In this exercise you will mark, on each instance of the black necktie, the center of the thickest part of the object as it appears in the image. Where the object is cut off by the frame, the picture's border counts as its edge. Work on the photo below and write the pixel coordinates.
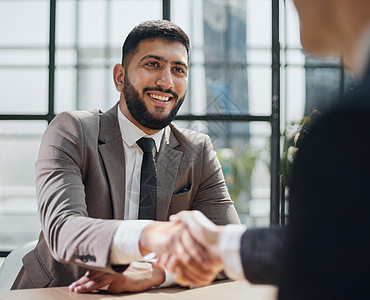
(148, 181)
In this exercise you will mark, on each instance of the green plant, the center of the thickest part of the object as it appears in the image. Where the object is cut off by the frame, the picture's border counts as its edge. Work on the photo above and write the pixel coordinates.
(238, 165)
(293, 135)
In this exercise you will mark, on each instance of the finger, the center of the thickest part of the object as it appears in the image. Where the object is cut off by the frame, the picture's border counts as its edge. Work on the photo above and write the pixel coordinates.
(177, 218)
(193, 224)
(171, 263)
(193, 250)
(163, 259)
(94, 284)
(197, 278)
(184, 274)
(193, 256)
(189, 275)
(89, 275)
(172, 267)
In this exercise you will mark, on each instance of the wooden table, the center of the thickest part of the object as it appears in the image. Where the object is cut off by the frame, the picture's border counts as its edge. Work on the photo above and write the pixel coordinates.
(222, 290)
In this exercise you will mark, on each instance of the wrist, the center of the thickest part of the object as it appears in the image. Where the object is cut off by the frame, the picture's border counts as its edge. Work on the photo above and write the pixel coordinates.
(214, 235)
(159, 274)
(215, 241)
(144, 241)
(146, 236)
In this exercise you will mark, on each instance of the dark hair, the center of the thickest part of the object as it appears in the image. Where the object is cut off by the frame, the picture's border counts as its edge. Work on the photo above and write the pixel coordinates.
(150, 30)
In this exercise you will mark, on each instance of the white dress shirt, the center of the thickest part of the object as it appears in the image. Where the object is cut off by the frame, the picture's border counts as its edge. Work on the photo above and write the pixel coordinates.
(125, 246)
(229, 246)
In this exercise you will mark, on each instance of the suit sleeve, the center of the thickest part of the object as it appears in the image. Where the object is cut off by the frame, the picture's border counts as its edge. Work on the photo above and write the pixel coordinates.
(71, 235)
(262, 251)
(212, 197)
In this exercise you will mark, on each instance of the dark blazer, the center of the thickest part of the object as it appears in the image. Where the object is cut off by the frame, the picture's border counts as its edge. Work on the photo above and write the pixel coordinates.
(262, 253)
(328, 237)
(80, 180)
(324, 253)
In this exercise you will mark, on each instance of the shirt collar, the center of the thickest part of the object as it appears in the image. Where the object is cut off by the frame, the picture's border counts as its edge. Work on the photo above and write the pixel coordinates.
(131, 133)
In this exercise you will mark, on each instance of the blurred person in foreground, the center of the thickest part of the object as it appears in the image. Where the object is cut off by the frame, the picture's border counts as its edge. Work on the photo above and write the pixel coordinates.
(98, 200)
(327, 242)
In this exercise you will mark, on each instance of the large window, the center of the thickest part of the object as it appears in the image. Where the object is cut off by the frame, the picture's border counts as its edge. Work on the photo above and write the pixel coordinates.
(231, 86)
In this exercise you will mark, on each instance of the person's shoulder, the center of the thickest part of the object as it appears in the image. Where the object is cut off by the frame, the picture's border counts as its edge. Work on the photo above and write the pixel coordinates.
(76, 118)
(78, 114)
(76, 123)
(188, 134)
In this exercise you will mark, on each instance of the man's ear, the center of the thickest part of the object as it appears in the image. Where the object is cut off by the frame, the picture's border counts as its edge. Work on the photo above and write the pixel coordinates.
(118, 76)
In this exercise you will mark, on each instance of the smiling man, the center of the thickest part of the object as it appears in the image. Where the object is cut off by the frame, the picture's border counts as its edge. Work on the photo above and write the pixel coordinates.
(98, 173)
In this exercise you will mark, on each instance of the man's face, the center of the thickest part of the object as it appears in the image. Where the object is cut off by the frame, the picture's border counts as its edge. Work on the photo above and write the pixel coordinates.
(317, 24)
(155, 82)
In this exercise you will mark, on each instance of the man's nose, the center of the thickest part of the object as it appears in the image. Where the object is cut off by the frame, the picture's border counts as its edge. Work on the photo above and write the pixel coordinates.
(165, 80)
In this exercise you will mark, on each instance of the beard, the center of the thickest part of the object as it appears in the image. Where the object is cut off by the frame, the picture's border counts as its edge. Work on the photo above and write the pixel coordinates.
(139, 111)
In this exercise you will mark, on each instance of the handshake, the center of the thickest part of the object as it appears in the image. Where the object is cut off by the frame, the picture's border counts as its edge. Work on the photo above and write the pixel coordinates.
(187, 246)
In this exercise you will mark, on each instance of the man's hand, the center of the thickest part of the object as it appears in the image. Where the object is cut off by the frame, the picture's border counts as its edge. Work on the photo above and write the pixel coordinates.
(184, 256)
(172, 238)
(190, 274)
(207, 234)
(204, 231)
(136, 278)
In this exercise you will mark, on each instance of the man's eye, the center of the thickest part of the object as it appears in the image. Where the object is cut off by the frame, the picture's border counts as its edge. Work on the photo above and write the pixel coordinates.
(152, 64)
(178, 69)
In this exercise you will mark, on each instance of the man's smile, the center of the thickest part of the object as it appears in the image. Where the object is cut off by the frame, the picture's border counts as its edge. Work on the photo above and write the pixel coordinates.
(161, 98)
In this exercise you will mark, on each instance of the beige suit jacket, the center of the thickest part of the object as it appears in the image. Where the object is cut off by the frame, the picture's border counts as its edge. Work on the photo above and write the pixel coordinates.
(80, 179)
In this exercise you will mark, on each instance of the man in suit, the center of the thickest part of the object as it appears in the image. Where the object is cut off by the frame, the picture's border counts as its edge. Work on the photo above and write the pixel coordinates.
(90, 163)
(326, 243)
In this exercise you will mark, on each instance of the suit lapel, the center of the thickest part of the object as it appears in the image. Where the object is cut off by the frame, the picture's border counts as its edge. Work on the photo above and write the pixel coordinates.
(112, 154)
(168, 162)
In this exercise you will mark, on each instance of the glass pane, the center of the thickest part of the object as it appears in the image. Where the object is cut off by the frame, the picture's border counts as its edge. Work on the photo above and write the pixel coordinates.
(186, 14)
(293, 57)
(24, 22)
(259, 57)
(66, 23)
(196, 100)
(23, 91)
(259, 23)
(115, 56)
(259, 206)
(92, 84)
(65, 57)
(259, 84)
(295, 94)
(243, 150)
(19, 145)
(92, 23)
(65, 89)
(292, 26)
(24, 57)
(125, 15)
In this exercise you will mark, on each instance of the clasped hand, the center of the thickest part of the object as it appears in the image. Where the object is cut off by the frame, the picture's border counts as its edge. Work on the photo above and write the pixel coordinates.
(187, 246)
